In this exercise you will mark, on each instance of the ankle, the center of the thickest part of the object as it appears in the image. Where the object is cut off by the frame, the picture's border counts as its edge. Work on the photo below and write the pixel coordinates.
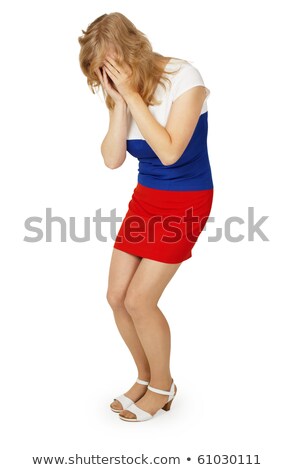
(143, 375)
(161, 383)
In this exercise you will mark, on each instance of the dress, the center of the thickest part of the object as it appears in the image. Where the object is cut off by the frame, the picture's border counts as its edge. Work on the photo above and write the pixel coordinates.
(170, 205)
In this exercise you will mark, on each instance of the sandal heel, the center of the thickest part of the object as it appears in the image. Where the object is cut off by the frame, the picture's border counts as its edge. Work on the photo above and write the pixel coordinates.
(167, 406)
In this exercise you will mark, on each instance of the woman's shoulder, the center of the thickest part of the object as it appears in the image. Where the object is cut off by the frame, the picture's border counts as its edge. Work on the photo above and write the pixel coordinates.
(181, 65)
(183, 68)
(186, 76)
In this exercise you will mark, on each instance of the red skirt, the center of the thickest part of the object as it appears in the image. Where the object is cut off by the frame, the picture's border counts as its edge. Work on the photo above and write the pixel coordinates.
(163, 225)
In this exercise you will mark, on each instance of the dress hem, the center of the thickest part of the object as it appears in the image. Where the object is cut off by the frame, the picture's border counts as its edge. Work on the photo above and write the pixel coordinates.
(149, 257)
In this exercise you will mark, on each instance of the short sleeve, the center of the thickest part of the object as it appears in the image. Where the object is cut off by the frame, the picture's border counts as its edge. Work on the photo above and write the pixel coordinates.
(187, 77)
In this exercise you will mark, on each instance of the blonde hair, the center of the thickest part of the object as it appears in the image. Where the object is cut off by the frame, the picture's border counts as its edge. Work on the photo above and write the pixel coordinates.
(131, 46)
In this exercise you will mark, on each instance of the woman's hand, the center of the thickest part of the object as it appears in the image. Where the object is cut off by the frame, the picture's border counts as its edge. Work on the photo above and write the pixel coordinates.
(115, 95)
(120, 75)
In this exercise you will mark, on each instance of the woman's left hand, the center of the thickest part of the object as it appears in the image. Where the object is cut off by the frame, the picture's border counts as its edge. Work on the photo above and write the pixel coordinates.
(120, 75)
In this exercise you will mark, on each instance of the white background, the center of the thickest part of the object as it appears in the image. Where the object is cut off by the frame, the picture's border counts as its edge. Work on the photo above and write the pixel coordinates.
(229, 306)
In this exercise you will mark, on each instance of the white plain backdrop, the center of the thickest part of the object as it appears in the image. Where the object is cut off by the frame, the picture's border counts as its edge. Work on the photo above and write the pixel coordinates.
(229, 306)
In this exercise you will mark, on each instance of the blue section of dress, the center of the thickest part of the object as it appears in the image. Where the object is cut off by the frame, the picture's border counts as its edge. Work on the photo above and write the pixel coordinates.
(191, 172)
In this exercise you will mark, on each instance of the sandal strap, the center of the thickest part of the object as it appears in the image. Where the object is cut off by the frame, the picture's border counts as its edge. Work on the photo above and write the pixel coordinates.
(124, 401)
(142, 382)
(171, 392)
(141, 415)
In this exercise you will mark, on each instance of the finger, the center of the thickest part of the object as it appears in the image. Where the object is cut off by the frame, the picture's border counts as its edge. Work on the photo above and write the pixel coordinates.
(109, 72)
(112, 65)
(124, 67)
(110, 59)
(106, 77)
(102, 81)
(98, 73)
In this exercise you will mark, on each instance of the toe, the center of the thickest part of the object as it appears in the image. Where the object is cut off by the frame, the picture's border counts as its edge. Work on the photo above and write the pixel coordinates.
(116, 405)
(127, 414)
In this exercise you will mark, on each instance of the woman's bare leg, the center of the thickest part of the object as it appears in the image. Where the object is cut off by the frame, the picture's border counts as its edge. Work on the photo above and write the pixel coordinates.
(122, 268)
(144, 291)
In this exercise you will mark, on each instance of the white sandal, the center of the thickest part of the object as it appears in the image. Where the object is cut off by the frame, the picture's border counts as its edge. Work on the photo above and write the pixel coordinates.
(142, 415)
(126, 401)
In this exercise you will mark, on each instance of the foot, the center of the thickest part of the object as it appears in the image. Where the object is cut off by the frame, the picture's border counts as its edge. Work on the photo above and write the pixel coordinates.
(135, 393)
(150, 402)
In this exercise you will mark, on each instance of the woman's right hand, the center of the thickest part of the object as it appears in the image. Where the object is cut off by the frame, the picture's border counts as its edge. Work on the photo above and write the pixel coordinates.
(115, 95)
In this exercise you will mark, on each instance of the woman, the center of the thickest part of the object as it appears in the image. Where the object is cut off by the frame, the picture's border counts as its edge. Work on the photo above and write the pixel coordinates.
(158, 113)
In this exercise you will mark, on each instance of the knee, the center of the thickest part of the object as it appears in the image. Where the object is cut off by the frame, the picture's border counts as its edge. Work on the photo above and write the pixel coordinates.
(115, 298)
(135, 303)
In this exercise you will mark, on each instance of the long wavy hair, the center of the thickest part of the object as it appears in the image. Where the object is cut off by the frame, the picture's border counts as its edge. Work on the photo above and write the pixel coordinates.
(130, 46)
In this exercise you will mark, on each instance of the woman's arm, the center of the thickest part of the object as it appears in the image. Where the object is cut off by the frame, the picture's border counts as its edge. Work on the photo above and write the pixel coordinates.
(168, 142)
(113, 147)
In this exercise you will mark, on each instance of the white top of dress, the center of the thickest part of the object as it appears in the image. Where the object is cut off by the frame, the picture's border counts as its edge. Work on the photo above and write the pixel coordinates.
(187, 77)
